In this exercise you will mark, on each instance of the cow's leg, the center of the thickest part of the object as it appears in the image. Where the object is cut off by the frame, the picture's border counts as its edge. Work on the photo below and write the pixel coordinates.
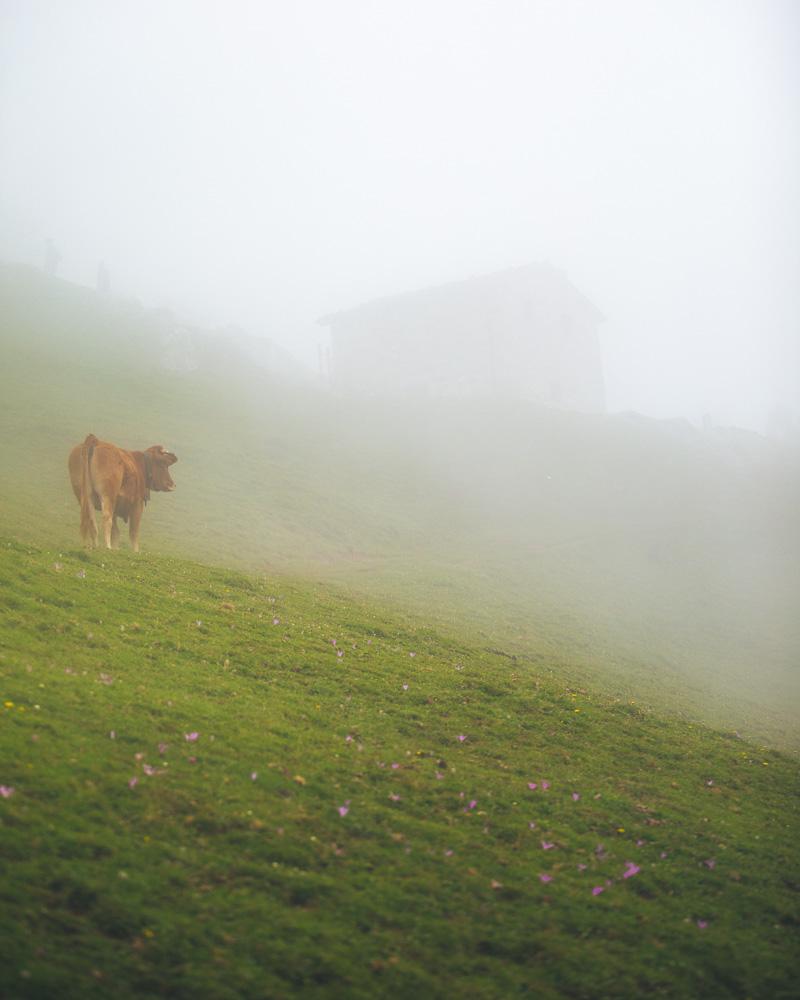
(88, 529)
(114, 533)
(135, 521)
(108, 519)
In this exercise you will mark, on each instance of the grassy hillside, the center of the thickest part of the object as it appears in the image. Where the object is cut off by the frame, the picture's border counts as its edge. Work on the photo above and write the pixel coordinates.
(656, 562)
(438, 740)
(216, 785)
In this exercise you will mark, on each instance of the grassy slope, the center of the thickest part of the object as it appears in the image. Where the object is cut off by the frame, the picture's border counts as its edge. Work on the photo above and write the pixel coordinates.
(654, 561)
(201, 881)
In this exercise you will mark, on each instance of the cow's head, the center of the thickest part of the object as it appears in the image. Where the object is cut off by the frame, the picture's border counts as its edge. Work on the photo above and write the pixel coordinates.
(158, 469)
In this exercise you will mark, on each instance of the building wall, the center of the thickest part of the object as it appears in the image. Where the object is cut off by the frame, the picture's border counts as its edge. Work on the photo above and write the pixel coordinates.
(514, 338)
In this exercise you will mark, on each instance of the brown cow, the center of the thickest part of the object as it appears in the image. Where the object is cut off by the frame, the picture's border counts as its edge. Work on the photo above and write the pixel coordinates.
(118, 483)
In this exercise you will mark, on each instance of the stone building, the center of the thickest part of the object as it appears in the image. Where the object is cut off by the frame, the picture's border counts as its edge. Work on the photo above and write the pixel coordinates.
(526, 332)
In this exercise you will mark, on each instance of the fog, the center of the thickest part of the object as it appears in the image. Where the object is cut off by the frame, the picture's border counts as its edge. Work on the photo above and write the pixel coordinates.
(266, 164)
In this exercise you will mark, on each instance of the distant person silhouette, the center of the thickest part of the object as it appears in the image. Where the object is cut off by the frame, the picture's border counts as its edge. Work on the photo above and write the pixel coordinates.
(52, 258)
(103, 279)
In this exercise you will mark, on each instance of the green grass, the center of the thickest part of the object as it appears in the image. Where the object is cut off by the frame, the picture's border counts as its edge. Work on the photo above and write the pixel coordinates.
(202, 882)
(593, 602)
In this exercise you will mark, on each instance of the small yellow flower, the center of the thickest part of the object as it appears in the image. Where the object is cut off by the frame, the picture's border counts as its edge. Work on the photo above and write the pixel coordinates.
(620, 829)
(148, 933)
(9, 704)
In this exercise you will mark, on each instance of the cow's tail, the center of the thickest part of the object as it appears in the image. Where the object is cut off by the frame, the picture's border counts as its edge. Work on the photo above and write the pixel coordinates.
(88, 526)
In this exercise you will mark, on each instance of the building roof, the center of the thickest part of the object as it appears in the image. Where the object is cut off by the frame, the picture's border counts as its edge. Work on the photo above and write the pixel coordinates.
(541, 279)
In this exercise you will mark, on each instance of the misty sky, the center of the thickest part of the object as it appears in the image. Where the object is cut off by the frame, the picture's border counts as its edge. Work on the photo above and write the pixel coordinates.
(266, 163)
